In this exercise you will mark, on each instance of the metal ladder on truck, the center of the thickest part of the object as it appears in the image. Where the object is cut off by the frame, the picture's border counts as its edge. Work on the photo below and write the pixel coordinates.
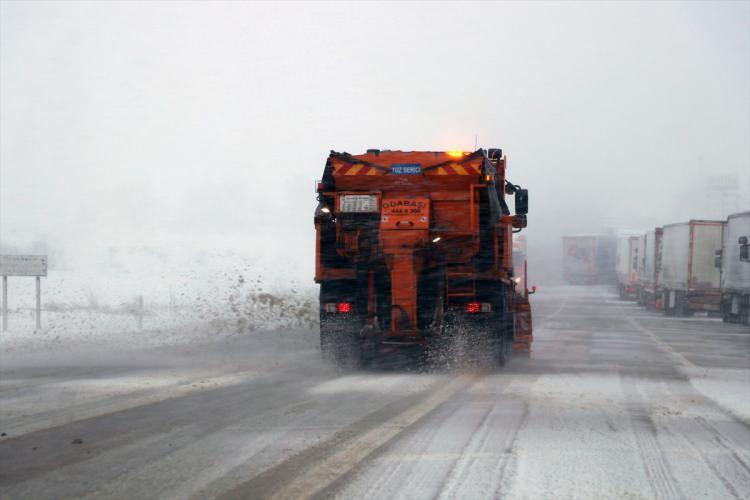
(459, 283)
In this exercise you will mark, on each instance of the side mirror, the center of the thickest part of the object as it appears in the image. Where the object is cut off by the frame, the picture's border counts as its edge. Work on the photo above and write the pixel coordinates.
(745, 253)
(533, 290)
(522, 201)
(519, 221)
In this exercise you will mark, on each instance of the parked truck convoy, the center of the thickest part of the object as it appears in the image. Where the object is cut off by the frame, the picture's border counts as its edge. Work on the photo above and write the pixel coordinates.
(682, 268)
(735, 269)
(415, 248)
(589, 259)
(689, 276)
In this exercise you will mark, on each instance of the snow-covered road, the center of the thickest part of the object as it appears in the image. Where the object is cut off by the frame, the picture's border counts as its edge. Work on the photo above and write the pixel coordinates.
(615, 402)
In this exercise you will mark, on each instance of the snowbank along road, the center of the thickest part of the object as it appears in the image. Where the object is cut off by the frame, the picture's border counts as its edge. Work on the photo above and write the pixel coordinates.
(614, 402)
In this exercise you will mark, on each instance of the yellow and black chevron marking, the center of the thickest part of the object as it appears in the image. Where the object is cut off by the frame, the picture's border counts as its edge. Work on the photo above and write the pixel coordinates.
(453, 168)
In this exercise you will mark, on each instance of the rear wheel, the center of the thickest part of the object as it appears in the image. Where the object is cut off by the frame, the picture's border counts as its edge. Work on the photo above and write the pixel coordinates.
(509, 334)
(501, 351)
(339, 331)
(682, 305)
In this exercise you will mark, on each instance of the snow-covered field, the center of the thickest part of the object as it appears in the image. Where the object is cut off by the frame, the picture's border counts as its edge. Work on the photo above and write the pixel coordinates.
(199, 297)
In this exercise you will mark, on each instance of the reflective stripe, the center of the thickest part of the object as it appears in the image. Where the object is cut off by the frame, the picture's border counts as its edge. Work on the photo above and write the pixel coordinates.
(459, 169)
(354, 169)
(453, 168)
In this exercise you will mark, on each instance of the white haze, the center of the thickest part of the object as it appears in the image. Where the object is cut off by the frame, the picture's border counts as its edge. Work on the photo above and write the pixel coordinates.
(201, 127)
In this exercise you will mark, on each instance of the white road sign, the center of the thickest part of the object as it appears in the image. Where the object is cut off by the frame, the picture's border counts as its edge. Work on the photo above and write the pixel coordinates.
(23, 265)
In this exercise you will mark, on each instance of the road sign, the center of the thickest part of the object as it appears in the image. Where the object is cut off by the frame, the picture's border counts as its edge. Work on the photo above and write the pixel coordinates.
(23, 265)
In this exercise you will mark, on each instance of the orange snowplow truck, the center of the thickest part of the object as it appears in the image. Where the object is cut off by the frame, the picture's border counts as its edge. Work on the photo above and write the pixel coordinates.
(413, 248)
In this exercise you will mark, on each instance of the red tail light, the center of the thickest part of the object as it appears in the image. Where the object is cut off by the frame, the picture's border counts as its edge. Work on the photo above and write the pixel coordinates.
(344, 307)
(478, 307)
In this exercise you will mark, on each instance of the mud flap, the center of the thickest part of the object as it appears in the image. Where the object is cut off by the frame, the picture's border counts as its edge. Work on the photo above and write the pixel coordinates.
(523, 327)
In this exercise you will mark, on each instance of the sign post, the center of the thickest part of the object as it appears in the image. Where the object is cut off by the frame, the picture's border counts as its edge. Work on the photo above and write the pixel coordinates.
(5, 303)
(23, 265)
(38, 303)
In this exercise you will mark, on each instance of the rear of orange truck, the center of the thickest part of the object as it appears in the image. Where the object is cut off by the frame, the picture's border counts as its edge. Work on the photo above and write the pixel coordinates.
(412, 247)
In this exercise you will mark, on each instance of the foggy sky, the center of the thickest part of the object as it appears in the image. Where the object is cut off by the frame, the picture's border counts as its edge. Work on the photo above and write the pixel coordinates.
(192, 125)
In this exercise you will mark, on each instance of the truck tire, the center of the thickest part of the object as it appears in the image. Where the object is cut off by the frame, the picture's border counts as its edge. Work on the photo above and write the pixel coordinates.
(503, 339)
(681, 305)
(501, 353)
(339, 340)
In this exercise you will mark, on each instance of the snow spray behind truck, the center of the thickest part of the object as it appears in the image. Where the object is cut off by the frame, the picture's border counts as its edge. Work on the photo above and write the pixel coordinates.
(412, 247)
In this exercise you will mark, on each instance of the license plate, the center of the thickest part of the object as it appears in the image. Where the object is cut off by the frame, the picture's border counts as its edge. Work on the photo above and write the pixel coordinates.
(358, 203)
(406, 168)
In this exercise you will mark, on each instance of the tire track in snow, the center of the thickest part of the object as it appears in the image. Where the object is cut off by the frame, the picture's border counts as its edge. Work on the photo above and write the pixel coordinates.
(723, 442)
(682, 362)
(417, 446)
(406, 459)
(315, 469)
(716, 469)
(250, 468)
(467, 464)
(705, 440)
(654, 462)
(459, 469)
(212, 408)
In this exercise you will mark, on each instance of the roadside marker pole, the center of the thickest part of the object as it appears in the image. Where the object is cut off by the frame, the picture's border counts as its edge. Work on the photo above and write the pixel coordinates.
(139, 311)
(38, 303)
(5, 303)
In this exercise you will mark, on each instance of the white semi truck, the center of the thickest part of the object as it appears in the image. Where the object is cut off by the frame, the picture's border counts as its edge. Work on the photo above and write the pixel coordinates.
(735, 269)
(689, 277)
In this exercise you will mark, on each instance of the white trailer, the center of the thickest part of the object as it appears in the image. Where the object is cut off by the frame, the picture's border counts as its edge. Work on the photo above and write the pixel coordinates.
(689, 275)
(589, 259)
(735, 269)
(626, 265)
(649, 290)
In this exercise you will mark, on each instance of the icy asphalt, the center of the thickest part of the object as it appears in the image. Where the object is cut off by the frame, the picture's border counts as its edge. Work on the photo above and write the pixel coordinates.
(615, 402)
